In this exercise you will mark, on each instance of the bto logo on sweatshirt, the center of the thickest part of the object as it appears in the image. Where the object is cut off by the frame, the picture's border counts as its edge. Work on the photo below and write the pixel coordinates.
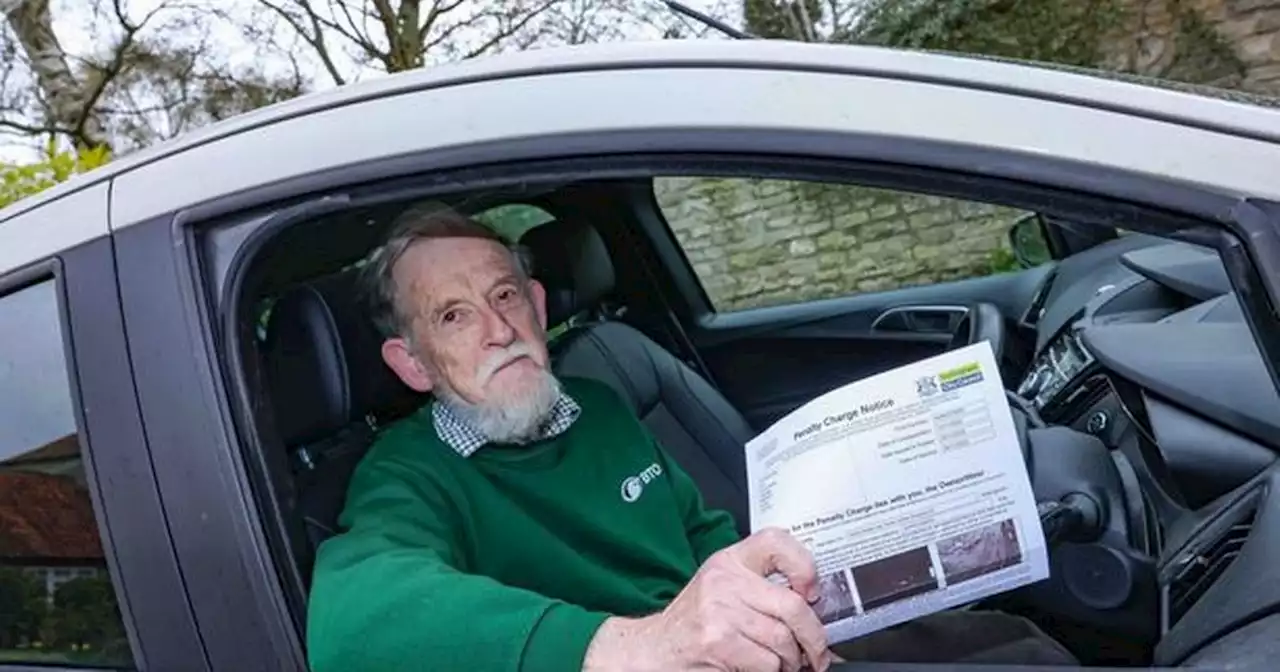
(633, 486)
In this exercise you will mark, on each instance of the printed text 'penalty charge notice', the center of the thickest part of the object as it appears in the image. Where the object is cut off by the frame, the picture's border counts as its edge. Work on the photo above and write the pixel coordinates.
(910, 489)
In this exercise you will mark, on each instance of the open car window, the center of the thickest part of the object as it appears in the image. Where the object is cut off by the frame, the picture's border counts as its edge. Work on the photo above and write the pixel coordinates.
(756, 243)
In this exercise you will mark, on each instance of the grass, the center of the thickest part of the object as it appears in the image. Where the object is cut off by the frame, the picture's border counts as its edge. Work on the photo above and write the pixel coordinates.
(57, 657)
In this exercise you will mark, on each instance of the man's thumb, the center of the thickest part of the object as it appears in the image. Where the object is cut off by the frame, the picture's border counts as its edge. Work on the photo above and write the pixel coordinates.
(772, 552)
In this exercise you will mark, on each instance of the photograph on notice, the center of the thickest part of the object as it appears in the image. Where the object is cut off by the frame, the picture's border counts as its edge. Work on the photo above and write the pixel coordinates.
(837, 598)
(894, 578)
(981, 551)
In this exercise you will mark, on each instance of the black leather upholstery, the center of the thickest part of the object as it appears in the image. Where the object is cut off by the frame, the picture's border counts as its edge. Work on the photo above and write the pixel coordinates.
(689, 418)
(703, 433)
(329, 390)
(324, 362)
(573, 265)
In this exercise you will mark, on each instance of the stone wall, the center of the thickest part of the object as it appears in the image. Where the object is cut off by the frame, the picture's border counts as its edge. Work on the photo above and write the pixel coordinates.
(766, 242)
(1230, 43)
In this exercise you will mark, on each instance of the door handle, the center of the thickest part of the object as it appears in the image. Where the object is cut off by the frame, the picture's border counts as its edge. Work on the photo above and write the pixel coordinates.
(920, 319)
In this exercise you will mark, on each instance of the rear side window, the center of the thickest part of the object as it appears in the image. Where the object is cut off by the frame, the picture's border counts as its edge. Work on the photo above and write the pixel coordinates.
(57, 604)
(511, 221)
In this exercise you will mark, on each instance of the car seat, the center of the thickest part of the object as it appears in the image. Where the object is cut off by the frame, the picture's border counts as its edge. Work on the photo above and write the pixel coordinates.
(690, 419)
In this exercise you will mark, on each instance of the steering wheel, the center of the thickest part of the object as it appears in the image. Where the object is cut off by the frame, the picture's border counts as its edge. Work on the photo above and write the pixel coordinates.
(982, 322)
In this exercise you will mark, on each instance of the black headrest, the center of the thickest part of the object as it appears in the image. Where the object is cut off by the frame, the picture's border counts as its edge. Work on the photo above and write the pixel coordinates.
(572, 262)
(324, 364)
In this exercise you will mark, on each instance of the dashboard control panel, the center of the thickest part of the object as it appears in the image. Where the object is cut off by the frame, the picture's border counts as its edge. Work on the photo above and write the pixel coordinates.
(1061, 362)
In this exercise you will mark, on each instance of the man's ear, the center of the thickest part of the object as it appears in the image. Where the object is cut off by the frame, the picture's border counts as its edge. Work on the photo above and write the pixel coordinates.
(539, 295)
(399, 356)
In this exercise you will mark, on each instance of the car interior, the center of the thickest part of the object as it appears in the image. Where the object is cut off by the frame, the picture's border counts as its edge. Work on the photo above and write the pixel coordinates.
(1097, 347)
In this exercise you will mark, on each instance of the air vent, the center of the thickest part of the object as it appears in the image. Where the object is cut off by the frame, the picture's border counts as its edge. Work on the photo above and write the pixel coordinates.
(1205, 563)
(1083, 398)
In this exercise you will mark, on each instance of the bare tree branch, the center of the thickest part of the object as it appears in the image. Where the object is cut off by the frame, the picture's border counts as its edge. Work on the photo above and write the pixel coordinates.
(32, 129)
(503, 34)
(108, 74)
(314, 37)
(358, 34)
(437, 10)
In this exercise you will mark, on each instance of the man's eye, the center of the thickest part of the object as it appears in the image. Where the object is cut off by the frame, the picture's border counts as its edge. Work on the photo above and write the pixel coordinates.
(505, 295)
(449, 317)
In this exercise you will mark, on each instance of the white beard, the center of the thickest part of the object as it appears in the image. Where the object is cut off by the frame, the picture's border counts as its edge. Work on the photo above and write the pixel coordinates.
(514, 417)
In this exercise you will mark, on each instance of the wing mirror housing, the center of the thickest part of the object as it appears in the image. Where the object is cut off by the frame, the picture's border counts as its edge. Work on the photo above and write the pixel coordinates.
(1029, 242)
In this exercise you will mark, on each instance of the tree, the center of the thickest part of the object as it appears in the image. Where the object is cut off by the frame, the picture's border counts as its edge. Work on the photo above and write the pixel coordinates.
(1090, 34)
(397, 37)
(22, 607)
(87, 613)
(147, 76)
(19, 181)
(348, 36)
(1066, 33)
(570, 22)
(807, 20)
(64, 99)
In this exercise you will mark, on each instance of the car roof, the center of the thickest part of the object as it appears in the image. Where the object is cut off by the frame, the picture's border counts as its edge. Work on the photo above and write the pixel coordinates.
(1231, 112)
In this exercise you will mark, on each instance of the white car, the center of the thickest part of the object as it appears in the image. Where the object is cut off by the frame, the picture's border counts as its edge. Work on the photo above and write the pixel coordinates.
(186, 378)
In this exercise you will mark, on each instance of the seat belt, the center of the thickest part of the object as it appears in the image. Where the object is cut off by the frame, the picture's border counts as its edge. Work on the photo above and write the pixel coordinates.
(691, 356)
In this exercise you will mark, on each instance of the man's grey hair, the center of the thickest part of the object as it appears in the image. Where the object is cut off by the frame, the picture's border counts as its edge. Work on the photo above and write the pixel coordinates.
(419, 222)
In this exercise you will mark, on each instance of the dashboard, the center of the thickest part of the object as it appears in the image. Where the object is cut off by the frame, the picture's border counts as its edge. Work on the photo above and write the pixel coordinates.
(1062, 361)
(1142, 344)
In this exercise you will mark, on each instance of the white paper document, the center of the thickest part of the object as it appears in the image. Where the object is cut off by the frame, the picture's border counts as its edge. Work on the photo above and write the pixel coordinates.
(909, 488)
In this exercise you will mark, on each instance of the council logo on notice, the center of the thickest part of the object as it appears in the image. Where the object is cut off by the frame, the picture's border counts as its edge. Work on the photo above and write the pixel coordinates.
(926, 386)
(966, 374)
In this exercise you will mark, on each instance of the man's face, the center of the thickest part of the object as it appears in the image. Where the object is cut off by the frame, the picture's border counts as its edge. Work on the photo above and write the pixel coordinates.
(478, 327)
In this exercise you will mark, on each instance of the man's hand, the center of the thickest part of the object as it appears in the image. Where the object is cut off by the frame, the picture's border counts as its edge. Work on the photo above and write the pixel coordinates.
(729, 617)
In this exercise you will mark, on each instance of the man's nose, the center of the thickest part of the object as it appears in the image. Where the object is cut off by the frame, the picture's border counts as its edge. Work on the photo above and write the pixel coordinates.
(497, 330)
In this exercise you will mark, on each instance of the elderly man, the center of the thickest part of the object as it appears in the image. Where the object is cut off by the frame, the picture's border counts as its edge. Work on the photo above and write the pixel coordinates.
(485, 532)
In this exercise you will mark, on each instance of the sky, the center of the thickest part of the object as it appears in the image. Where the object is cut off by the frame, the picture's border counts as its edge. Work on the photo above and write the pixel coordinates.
(35, 401)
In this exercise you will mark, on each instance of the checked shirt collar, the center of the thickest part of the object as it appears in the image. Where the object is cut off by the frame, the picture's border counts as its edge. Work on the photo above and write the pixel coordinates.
(465, 439)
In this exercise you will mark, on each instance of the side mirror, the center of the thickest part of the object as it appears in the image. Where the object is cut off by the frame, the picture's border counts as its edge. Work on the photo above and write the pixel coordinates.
(1028, 241)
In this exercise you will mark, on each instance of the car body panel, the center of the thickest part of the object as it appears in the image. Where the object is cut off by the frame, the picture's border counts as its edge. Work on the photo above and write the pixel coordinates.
(149, 584)
(639, 100)
(59, 224)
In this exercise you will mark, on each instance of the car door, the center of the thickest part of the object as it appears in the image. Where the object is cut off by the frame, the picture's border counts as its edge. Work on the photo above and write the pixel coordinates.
(87, 573)
(811, 285)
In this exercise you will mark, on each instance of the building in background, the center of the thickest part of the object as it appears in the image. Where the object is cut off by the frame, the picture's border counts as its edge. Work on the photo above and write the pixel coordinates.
(47, 527)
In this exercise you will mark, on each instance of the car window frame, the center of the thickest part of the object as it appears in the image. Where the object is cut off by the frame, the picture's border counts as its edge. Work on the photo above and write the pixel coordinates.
(863, 154)
(112, 448)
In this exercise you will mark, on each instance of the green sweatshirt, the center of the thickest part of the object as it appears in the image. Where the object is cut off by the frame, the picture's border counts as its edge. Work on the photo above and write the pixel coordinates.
(509, 559)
